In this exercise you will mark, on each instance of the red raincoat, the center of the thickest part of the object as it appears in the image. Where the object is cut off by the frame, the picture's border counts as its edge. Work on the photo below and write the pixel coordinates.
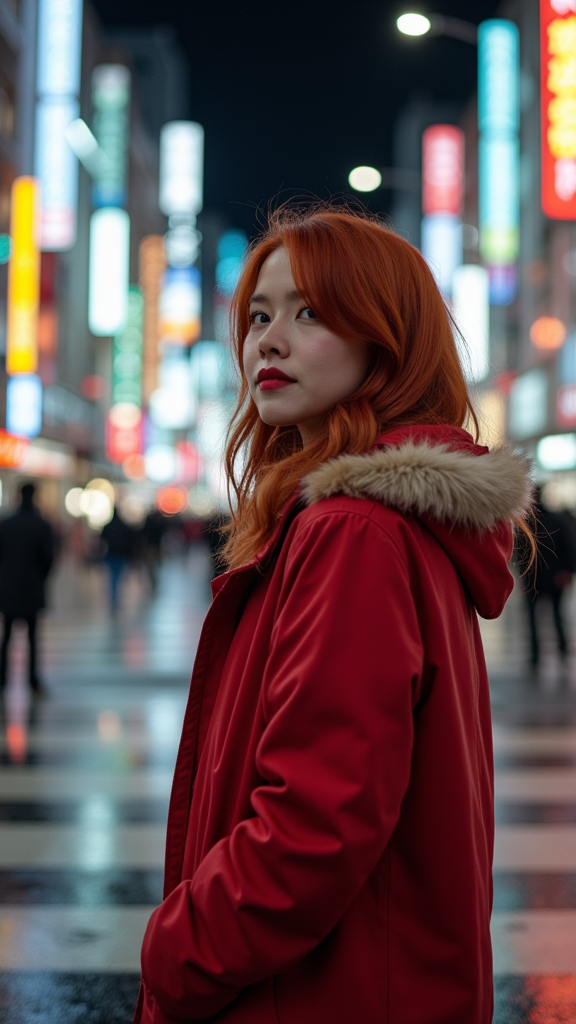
(330, 830)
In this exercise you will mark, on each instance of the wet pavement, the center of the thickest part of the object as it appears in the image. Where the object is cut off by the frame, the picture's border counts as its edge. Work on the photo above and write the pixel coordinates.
(84, 789)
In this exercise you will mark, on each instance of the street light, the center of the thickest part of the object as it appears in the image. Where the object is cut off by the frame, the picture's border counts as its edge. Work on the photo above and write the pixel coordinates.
(365, 179)
(412, 24)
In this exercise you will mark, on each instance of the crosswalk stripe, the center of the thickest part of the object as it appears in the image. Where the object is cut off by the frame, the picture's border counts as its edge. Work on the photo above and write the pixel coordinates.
(534, 942)
(50, 784)
(96, 847)
(72, 939)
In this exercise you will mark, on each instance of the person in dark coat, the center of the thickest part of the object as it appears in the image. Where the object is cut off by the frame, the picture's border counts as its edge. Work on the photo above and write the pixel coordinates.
(26, 556)
(118, 539)
(152, 534)
(549, 576)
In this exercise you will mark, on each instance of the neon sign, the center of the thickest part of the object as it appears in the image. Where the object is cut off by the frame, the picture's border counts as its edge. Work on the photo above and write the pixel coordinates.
(499, 153)
(442, 169)
(558, 107)
(23, 279)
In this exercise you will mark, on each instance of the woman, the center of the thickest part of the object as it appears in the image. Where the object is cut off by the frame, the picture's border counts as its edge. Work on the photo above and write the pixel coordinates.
(330, 830)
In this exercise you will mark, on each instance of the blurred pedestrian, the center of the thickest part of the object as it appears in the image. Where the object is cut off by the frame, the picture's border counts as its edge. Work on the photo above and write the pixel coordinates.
(547, 581)
(26, 557)
(151, 535)
(118, 542)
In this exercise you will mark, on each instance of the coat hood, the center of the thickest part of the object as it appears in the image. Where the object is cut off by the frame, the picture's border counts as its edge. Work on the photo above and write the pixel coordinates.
(466, 495)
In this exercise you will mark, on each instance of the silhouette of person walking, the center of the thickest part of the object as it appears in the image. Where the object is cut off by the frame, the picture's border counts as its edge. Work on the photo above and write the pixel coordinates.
(550, 575)
(118, 541)
(26, 556)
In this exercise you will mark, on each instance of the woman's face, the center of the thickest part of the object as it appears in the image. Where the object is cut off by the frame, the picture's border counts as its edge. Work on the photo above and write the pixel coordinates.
(297, 369)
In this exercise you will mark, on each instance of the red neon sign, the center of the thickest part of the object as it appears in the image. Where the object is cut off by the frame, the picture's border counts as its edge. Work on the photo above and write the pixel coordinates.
(121, 442)
(442, 169)
(558, 107)
(12, 449)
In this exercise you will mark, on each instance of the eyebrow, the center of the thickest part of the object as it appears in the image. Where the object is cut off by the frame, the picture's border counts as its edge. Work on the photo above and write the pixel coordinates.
(264, 298)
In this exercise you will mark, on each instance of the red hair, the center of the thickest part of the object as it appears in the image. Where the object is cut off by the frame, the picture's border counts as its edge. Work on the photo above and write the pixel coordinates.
(366, 284)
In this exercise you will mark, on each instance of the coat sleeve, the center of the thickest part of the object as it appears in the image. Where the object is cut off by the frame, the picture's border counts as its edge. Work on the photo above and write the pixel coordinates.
(341, 681)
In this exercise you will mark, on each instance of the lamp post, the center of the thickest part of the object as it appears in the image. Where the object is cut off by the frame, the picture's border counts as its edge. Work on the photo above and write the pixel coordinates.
(412, 24)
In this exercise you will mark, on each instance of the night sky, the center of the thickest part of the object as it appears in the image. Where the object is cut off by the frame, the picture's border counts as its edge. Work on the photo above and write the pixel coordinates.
(293, 95)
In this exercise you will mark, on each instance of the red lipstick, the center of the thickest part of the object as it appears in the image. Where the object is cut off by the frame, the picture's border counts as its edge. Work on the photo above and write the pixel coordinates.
(271, 378)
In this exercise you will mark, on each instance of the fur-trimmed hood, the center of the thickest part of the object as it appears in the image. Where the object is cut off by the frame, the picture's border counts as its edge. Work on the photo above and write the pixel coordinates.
(464, 493)
(446, 481)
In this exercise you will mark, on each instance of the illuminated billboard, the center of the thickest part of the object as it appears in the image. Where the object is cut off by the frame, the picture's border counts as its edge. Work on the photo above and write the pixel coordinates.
(442, 169)
(57, 169)
(152, 267)
(442, 247)
(528, 413)
(181, 168)
(232, 246)
(58, 84)
(180, 305)
(111, 98)
(127, 355)
(23, 278)
(24, 405)
(59, 44)
(471, 311)
(499, 153)
(558, 108)
(109, 270)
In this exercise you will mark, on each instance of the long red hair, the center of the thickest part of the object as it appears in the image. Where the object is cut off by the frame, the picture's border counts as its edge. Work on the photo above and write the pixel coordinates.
(366, 284)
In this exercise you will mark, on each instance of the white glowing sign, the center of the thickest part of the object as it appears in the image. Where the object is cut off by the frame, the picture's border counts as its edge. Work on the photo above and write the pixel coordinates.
(471, 310)
(181, 305)
(529, 404)
(58, 83)
(556, 452)
(24, 405)
(59, 43)
(442, 247)
(109, 270)
(181, 168)
(57, 169)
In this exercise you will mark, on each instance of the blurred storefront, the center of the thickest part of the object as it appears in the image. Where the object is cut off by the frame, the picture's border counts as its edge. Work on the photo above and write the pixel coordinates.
(102, 276)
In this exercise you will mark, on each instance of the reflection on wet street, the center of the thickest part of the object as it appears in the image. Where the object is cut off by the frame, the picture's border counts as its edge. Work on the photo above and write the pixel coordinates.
(85, 778)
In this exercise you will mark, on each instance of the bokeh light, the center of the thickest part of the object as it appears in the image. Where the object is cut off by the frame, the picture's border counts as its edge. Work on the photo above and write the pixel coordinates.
(547, 332)
(134, 467)
(365, 179)
(172, 500)
(72, 502)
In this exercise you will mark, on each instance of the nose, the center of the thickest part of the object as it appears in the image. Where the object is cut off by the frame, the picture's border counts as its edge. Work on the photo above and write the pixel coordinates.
(273, 341)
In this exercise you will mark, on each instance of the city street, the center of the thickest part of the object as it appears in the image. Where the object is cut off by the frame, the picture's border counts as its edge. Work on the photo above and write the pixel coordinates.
(84, 788)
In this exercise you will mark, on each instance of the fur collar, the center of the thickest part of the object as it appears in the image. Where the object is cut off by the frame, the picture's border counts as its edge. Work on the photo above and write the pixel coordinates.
(474, 491)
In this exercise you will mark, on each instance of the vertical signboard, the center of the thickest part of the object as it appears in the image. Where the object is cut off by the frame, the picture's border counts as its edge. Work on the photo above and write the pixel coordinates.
(127, 355)
(180, 305)
(23, 279)
(471, 312)
(152, 267)
(109, 270)
(442, 187)
(181, 168)
(442, 169)
(111, 98)
(58, 84)
(499, 154)
(558, 107)
(124, 424)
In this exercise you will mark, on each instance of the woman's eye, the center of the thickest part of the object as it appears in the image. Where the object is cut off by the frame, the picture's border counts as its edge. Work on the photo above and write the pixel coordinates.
(307, 314)
(259, 318)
